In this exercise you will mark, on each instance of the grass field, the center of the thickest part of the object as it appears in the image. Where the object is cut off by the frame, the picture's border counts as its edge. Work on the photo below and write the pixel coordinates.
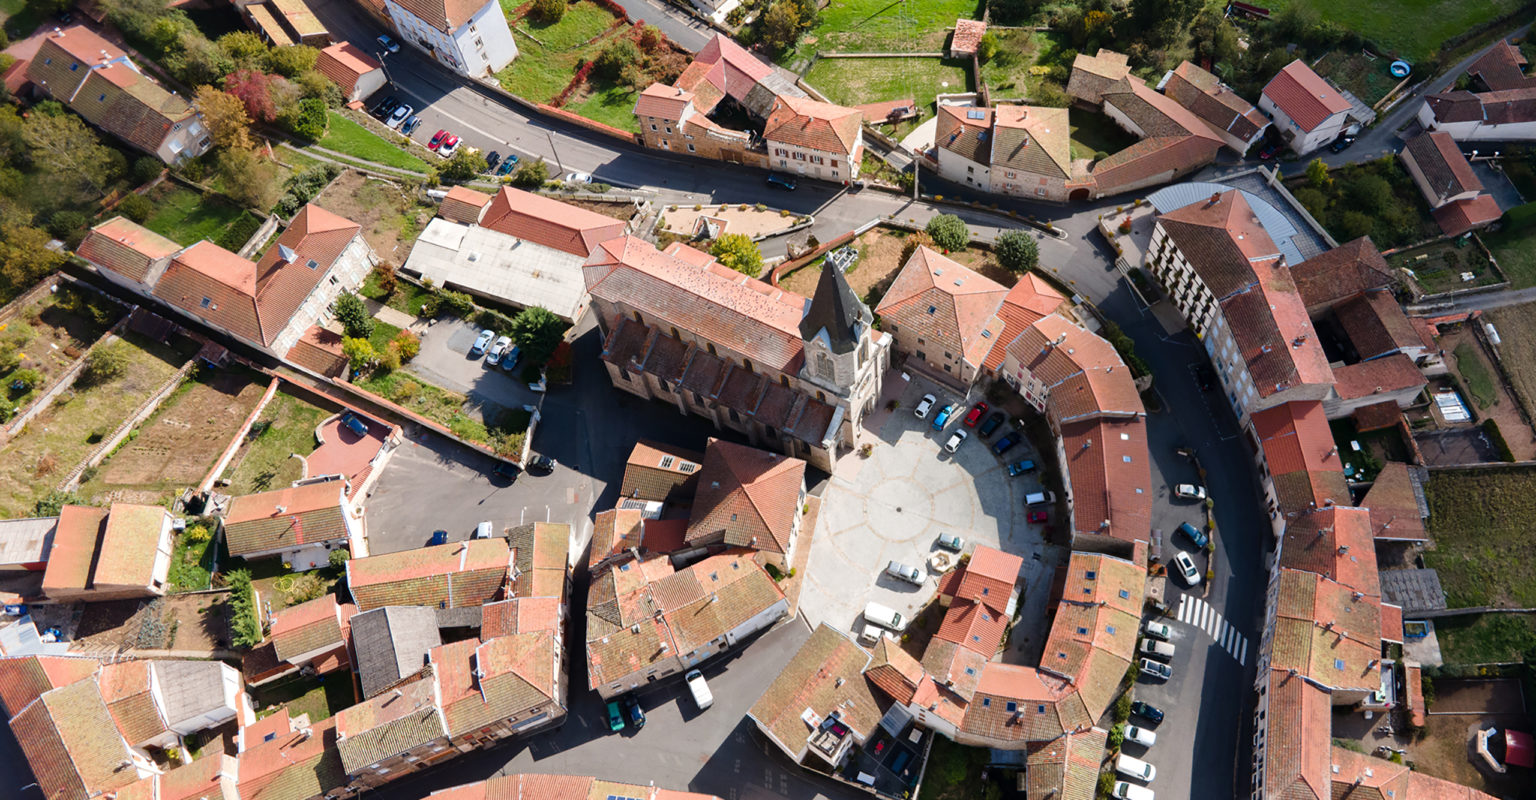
(1480, 522)
(302, 696)
(350, 138)
(1093, 132)
(1415, 29)
(545, 66)
(33, 463)
(287, 426)
(852, 81)
(1478, 379)
(1516, 253)
(608, 103)
(865, 26)
(1517, 349)
(1009, 73)
(1487, 638)
(186, 217)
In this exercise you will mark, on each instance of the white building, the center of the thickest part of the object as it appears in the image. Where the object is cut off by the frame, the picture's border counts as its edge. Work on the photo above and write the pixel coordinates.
(821, 140)
(1502, 116)
(466, 36)
(1307, 111)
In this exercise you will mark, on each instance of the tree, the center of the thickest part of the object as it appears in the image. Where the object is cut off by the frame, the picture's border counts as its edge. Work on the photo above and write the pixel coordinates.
(988, 47)
(55, 500)
(306, 119)
(353, 315)
(359, 352)
(1017, 251)
(650, 38)
(615, 57)
(1353, 224)
(548, 11)
(75, 161)
(949, 232)
(105, 363)
(293, 60)
(1317, 174)
(1010, 12)
(913, 241)
(136, 207)
(67, 223)
(780, 26)
(146, 169)
(316, 86)
(409, 344)
(466, 163)
(1369, 194)
(739, 252)
(338, 559)
(199, 61)
(252, 179)
(228, 121)
(537, 332)
(25, 256)
(255, 90)
(384, 276)
(245, 49)
(531, 174)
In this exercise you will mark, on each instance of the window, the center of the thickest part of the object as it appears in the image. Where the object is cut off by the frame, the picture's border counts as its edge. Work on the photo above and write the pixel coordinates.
(639, 318)
(834, 173)
(921, 355)
(784, 381)
(1010, 173)
(986, 702)
(75, 66)
(669, 129)
(665, 145)
(690, 147)
(1091, 575)
(101, 98)
(1039, 192)
(971, 170)
(1081, 631)
(1011, 706)
(674, 333)
(207, 303)
(1125, 595)
(710, 346)
(746, 364)
(1040, 709)
(823, 366)
(833, 164)
(653, 126)
(480, 43)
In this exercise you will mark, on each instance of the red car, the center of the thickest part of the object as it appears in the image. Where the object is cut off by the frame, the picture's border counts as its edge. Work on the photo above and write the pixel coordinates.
(437, 139)
(975, 416)
(1039, 517)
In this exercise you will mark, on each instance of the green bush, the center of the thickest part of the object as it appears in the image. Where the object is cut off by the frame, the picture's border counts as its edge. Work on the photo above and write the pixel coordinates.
(548, 11)
(53, 501)
(136, 207)
(531, 174)
(615, 57)
(338, 558)
(307, 120)
(244, 623)
(949, 232)
(538, 332)
(105, 363)
(1017, 251)
(353, 316)
(240, 231)
(491, 319)
(1520, 217)
(23, 380)
(1123, 707)
(458, 304)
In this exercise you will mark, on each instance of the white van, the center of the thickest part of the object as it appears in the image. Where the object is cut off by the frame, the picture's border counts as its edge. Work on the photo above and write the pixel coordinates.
(1135, 768)
(701, 696)
(1039, 498)
(1153, 647)
(885, 617)
(1130, 791)
(484, 530)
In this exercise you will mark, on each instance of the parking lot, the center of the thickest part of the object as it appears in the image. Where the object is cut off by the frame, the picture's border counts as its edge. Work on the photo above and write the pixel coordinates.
(894, 504)
(445, 361)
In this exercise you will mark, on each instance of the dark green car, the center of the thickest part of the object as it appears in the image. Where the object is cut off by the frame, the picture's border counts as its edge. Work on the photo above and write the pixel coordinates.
(615, 716)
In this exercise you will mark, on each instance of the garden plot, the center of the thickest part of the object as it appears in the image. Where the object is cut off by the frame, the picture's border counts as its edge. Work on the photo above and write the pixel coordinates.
(265, 459)
(389, 216)
(44, 338)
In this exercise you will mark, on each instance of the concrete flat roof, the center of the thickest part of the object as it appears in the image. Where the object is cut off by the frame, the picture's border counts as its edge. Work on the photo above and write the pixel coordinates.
(498, 266)
(26, 541)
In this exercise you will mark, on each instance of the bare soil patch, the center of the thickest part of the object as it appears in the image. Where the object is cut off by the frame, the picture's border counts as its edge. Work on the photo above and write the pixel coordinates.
(202, 621)
(389, 215)
(1489, 696)
(738, 219)
(880, 260)
(1447, 751)
(616, 209)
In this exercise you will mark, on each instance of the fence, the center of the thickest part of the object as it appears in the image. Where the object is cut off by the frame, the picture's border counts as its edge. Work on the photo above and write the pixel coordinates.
(72, 481)
(14, 307)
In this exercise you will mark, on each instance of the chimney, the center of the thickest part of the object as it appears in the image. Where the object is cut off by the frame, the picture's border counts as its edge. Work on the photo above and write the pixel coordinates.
(1299, 340)
(1343, 548)
(279, 510)
(1215, 198)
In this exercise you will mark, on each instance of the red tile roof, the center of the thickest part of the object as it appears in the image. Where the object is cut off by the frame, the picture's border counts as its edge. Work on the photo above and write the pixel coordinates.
(444, 15)
(227, 282)
(125, 688)
(344, 63)
(1341, 273)
(1296, 758)
(25, 678)
(125, 247)
(746, 497)
(1501, 67)
(824, 676)
(1377, 376)
(72, 744)
(286, 518)
(814, 125)
(319, 351)
(968, 33)
(314, 240)
(307, 627)
(1394, 503)
(988, 577)
(1334, 542)
(129, 544)
(1295, 437)
(1304, 96)
(663, 102)
(733, 70)
(464, 205)
(974, 626)
(1214, 102)
(1461, 216)
(1221, 238)
(458, 573)
(1110, 477)
(549, 222)
(1025, 304)
(947, 303)
(1442, 164)
(75, 542)
(1376, 325)
(1082, 375)
(295, 765)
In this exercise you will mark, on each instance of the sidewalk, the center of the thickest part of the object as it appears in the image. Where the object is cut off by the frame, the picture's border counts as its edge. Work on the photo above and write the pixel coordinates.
(394, 317)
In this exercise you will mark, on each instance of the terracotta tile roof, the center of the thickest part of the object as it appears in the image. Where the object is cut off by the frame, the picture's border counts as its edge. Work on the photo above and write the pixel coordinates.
(549, 222)
(1341, 273)
(1274, 334)
(1499, 108)
(540, 552)
(307, 627)
(444, 15)
(51, 68)
(1017, 704)
(464, 205)
(344, 63)
(614, 532)
(734, 70)
(746, 497)
(753, 318)
(203, 779)
(663, 102)
(952, 306)
(1214, 102)
(72, 744)
(294, 766)
(25, 678)
(1068, 767)
(521, 615)
(1304, 96)
(388, 725)
(814, 125)
(1376, 416)
(660, 472)
(974, 626)
(731, 589)
(1148, 158)
(968, 33)
(1296, 758)
(987, 577)
(284, 518)
(459, 574)
(1221, 238)
(129, 543)
(123, 101)
(1457, 105)
(823, 677)
(1157, 115)
(297, 262)
(1440, 160)
(1034, 139)
(1501, 67)
(125, 247)
(959, 133)
(1391, 623)
(1082, 375)
(75, 542)
(125, 688)
(516, 674)
(1394, 500)
(1295, 438)
(1377, 376)
(1376, 325)
(1334, 542)
(1110, 477)
(227, 282)
(894, 670)
(882, 111)
(664, 535)
(1091, 75)
(1413, 677)
(958, 668)
(319, 351)
(1461, 216)
(1030, 300)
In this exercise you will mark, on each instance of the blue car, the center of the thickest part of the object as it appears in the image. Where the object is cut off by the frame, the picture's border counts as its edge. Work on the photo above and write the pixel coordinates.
(1002, 445)
(507, 165)
(1195, 535)
(509, 361)
(782, 181)
(1018, 468)
(438, 537)
(354, 424)
(943, 417)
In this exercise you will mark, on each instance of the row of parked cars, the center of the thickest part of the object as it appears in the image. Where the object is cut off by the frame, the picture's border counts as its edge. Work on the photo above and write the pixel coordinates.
(1154, 646)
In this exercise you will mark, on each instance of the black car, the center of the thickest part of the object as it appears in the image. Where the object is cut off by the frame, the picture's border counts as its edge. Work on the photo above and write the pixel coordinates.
(542, 465)
(633, 711)
(1206, 377)
(1342, 143)
(782, 181)
(990, 424)
(1006, 443)
(1147, 711)
(492, 160)
(508, 470)
(384, 109)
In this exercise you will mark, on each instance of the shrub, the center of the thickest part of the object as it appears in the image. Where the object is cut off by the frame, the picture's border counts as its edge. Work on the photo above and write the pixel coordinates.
(146, 169)
(359, 352)
(739, 252)
(409, 345)
(339, 558)
(405, 391)
(24, 380)
(531, 174)
(136, 207)
(491, 319)
(353, 315)
(384, 275)
(1017, 251)
(611, 62)
(1123, 707)
(245, 625)
(431, 304)
(914, 241)
(105, 363)
(948, 232)
(67, 225)
(389, 357)
(305, 587)
(987, 49)
(458, 304)
(548, 11)
(465, 165)
(306, 119)
(650, 38)
(197, 534)
(1116, 736)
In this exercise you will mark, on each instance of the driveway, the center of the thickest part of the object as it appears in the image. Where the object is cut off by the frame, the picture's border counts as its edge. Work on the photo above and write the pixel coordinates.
(445, 361)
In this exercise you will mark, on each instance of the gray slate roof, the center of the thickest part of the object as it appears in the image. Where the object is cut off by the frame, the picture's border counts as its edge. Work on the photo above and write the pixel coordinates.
(189, 688)
(392, 643)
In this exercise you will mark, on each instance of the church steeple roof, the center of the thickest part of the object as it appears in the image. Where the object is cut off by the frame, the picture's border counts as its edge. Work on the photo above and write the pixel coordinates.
(836, 310)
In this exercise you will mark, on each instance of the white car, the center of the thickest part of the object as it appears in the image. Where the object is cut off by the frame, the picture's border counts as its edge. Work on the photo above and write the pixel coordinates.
(1153, 647)
(1133, 767)
(702, 697)
(452, 146)
(925, 405)
(1186, 567)
(499, 349)
(955, 440)
(1156, 669)
(481, 342)
(1130, 791)
(1189, 491)
(1140, 735)
(913, 575)
(1158, 630)
(401, 114)
(578, 177)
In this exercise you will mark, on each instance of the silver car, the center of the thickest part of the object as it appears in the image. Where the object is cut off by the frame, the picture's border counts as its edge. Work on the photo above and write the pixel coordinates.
(925, 405)
(913, 575)
(499, 349)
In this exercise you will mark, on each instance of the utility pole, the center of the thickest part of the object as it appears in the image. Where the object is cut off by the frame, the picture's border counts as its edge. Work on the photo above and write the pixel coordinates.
(552, 149)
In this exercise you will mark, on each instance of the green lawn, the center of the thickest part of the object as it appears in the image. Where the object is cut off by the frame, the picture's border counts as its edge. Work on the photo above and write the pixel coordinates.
(852, 81)
(1415, 29)
(22, 17)
(186, 217)
(864, 26)
(1516, 253)
(302, 696)
(545, 66)
(1475, 373)
(192, 562)
(612, 104)
(1487, 638)
(1093, 132)
(1481, 522)
(287, 426)
(346, 136)
(1008, 73)
(407, 296)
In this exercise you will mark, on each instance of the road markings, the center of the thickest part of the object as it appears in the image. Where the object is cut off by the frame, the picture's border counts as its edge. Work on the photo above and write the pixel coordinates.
(1199, 614)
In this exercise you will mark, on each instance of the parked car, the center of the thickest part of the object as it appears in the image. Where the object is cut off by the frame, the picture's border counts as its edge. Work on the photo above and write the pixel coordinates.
(994, 421)
(943, 417)
(1006, 443)
(1186, 568)
(1039, 498)
(924, 405)
(1140, 735)
(578, 177)
(399, 115)
(615, 716)
(1017, 468)
(508, 470)
(507, 165)
(384, 108)
(1189, 491)
(885, 617)
(633, 711)
(410, 126)
(1155, 669)
(437, 139)
(542, 464)
(484, 530)
(956, 439)
(1269, 151)
(870, 633)
(449, 146)
(481, 342)
(1153, 647)
(509, 361)
(910, 574)
(492, 160)
(1342, 143)
(1039, 517)
(700, 689)
(1147, 711)
(438, 537)
(1158, 630)
(975, 416)
(389, 45)
(1205, 377)
(781, 181)
(354, 424)
(493, 355)
(950, 541)
(1195, 535)
(1130, 791)
(1134, 767)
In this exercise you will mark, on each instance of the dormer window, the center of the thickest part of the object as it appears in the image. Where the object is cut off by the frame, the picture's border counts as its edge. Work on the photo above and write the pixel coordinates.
(313, 264)
(101, 98)
(206, 302)
(75, 66)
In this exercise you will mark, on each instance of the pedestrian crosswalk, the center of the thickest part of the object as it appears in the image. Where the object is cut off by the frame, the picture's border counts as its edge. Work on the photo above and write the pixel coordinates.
(1197, 612)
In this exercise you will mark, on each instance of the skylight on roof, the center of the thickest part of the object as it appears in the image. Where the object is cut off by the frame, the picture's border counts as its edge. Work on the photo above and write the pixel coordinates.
(1338, 663)
(975, 113)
